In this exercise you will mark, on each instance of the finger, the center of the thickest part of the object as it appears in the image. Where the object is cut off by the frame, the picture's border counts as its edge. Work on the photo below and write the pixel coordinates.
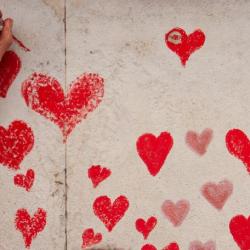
(7, 26)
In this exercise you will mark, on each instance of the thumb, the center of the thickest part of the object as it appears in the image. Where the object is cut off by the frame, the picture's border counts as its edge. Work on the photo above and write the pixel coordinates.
(7, 26)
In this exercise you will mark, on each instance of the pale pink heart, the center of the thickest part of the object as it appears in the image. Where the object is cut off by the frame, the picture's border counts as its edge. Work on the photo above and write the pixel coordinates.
(199, 143)
(176, 213)
(197, 245)
(217, 194)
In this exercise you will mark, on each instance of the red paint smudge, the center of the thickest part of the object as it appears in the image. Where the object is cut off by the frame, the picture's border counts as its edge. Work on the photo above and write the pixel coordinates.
(26, 181)
(145, 227)
(199, 143)
(21, 45)
(239, 145)
(154, 150)
(240, 229)
(182, 44)
(30, 226)
(45, 95)
(110, 214)
(15, 143)
(217, 194)
(89, 238)
(197, 245)
(172, 246)
(10, 66)
(148, 247)
(176, 213)
(97, 174)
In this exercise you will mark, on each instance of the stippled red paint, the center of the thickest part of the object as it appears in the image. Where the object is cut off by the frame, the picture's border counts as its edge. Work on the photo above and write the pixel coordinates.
(239, 145)
(184, 45)
(45, 95)
(145, 227)
(176, 212)
(154, 150)
(10, 66)
(199, 143)
(25, 180)
(30, 226)
(197, 245)
(240, 229)
(110, 214)
(217, 194)
(89, 238)
(97, 174)
(15, 143)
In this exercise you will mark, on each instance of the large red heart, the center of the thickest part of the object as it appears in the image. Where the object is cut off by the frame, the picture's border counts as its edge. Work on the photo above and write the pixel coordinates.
(30, 226)
(110, 214)
(239, 145)
(15, 143)
(98, 174)
(26, 181)
(45, 95)
(217, 194)
(182, 44)
(240, 229)
(154, 150)
(176, 213)
(145, 227)
(199, 143)
(197, 245)
(10, 65)
(89, 238)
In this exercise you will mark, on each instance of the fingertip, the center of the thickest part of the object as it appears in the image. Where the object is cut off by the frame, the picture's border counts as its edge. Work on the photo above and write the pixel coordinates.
(8, 23)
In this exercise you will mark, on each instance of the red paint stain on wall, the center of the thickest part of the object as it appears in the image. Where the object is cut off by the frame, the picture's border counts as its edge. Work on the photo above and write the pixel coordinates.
(89, 238)
(26, 181)
(97, 174)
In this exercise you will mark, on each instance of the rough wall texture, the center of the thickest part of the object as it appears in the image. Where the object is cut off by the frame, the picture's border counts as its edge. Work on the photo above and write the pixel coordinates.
(146, 90)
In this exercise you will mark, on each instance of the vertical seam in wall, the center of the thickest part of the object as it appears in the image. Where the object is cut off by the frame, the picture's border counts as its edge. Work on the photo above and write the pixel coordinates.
(65, 159)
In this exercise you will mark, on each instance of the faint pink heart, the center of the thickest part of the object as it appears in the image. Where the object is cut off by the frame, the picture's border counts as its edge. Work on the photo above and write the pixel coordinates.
(199, 143)
(217, 194)
(197, 245)
(176, 213)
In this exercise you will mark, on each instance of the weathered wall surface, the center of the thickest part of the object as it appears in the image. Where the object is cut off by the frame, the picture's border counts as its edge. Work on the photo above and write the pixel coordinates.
(146, 90)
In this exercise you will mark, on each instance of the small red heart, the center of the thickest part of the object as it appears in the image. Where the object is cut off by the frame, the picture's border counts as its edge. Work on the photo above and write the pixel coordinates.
(217, 194)
(98, 174)
(30, 227)
(10, 66)
(154, 150)
(90, 239)
(176, 213)
(239, 145)
(182, 44)
(110, 214)
(199, 143)
(240, 230)
(172, 246)
(148, 247)
(15, 143)
(197, 245)
(26, 181)
(45, 95)
(145, 227)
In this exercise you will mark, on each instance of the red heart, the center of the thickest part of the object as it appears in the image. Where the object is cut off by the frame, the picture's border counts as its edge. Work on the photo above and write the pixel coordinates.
(25, 181)
(240, 230)
(154, 150)
(145, 227)
(97, 174)
(30, 227)
(239, 145)
(199, 143)
(148, 247)
(197, 245)
(176, 213)
(182, 44)
(172, 246)
(109, 213)
(15, 143)
(90, 239)
(217, 194)
(45, 95)
(10, 66)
